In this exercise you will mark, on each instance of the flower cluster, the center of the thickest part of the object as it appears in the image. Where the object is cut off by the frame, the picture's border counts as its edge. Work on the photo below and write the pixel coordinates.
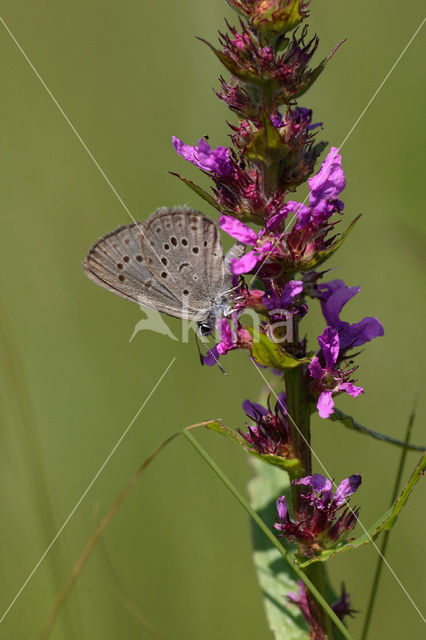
(232, 336)
(273, 149)
(271, 433)
(322, 518)
(326, 369)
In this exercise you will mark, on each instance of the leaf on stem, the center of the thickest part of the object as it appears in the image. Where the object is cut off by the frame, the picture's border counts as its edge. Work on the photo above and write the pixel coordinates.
(198, 190)
(270, 354)
(350, 423)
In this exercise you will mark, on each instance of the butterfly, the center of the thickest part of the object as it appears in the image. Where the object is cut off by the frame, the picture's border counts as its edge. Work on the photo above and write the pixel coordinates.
(172, 262)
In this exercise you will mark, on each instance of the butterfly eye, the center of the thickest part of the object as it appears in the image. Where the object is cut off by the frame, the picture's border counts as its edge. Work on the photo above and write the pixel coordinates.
(205, 328)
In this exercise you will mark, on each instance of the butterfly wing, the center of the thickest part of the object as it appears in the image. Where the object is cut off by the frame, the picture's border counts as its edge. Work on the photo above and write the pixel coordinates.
(116, 263)
(183, 248)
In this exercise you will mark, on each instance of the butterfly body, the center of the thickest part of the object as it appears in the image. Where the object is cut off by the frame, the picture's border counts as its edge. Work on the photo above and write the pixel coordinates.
(172, 262)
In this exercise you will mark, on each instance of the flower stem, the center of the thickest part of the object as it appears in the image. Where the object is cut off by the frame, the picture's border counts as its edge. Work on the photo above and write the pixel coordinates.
(299, 416)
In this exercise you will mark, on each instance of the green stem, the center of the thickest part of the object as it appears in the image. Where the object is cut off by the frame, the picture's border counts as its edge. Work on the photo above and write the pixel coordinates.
(383, 548)
(271, 537)
(299, 417)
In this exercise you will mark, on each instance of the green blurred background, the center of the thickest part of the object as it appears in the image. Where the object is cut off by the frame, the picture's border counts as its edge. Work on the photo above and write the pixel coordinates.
(130, 75)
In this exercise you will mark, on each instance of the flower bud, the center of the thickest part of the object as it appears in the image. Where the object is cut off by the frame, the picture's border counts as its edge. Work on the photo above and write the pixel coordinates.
(273, 16)
(279, 16)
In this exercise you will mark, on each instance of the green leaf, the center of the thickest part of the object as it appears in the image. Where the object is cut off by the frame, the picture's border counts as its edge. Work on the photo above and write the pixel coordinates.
(219, 427)
(275, 577)
(198, 190)
(322, 256)
(266, 145)
(350, 423)
(386, 522)
(270, 354)
(291, 465)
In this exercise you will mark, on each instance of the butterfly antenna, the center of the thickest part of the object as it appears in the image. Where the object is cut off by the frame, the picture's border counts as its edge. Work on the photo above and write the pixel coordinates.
(200, 335)
(199, 350)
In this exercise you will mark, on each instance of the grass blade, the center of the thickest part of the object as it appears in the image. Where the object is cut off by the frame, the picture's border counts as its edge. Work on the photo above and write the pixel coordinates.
(19, 397)
(84, 556)
(383, 548)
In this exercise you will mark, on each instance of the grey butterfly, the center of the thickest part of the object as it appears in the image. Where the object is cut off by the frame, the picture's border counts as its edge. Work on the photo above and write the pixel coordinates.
(172, 262)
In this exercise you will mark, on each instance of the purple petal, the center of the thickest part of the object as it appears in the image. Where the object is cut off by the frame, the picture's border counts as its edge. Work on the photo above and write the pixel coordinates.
(271, 300)
(315, 368)
(334, 295)
(282, 508)
(325, 404)
(238, 230)
(275, 221)
(318, 483)
(226, 343)
(215, 160)
(337, 299)
(253, 410)
(244, 264)
(351, 389)
(211, 358)
(326, 289)
(346, 488)
(330, 345)
(355, 335)
(277, 119)
(291, 290)
(303, 213)
(328, 182)
(282, 401)
(203, 156)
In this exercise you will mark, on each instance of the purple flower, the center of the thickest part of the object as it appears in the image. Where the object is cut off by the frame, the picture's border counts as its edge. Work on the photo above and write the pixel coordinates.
(333, 297)
(301, 212)
(271, 432)
(215, 161)
(274, 302)
(342, 606)
(322, 519)
(277, 120)
(300, 119)
(327, 184)
(324, 187)
(236, 337)
(329, 378)
(246, 235)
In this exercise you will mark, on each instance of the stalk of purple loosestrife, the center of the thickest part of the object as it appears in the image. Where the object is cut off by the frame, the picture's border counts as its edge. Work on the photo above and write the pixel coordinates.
(275, 148)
